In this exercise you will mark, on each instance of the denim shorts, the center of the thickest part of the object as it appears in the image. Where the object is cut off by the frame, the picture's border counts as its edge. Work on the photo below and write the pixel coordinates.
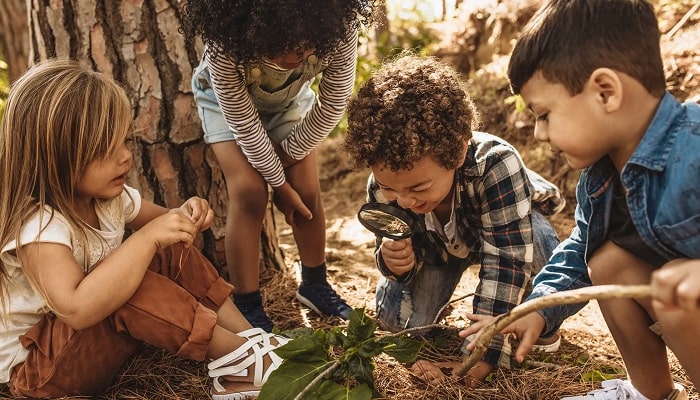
(278, 124)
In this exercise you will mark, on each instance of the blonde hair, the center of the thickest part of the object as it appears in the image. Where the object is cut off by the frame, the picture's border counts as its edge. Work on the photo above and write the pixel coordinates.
(59, 117)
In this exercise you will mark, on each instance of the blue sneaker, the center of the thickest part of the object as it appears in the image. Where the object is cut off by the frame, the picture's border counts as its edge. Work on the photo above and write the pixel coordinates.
(255, 314)
(321, 298)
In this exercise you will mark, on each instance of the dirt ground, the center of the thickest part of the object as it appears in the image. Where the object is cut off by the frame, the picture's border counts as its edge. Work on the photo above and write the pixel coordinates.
(588, 351)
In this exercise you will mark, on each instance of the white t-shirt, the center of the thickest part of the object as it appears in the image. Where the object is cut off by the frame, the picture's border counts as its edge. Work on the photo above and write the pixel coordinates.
(25, 306)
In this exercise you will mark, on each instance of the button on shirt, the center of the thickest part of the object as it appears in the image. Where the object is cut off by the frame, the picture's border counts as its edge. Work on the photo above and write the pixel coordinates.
(454, 243)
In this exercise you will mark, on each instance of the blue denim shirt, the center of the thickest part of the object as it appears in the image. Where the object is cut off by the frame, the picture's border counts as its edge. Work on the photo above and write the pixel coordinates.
(663, 195)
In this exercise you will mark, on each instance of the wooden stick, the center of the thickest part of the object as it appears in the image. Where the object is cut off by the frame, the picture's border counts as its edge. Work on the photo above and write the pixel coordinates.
(602, 292)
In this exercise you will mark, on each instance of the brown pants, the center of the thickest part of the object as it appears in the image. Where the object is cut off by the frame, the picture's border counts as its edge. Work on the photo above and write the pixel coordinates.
(173, 309)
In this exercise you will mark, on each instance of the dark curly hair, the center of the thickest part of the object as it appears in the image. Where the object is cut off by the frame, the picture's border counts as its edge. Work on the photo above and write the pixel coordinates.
(411, 107)
(247, 30)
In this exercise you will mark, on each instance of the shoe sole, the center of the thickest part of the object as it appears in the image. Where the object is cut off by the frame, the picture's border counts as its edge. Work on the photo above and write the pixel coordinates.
(547, 348)
(303, 300)
(251, 394)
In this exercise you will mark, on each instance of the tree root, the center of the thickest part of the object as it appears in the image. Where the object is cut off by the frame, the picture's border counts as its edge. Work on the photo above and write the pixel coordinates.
(602, 292)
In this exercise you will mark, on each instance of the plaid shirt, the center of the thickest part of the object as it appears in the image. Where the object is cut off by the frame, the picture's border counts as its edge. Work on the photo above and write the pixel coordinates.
(492, 212)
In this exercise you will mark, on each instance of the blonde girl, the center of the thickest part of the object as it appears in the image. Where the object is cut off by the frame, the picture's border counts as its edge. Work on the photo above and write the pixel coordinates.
(77, 299)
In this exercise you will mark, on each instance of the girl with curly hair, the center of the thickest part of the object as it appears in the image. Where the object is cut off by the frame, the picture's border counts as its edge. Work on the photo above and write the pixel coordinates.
(263, 122)
(77, 299)
(413, 125)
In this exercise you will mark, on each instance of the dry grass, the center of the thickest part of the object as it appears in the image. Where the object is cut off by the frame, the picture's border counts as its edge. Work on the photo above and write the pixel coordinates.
(586, 348)
(156, 375)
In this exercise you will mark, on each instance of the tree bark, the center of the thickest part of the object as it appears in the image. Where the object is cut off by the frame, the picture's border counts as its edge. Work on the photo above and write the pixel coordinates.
(14, 27)
(137, 42)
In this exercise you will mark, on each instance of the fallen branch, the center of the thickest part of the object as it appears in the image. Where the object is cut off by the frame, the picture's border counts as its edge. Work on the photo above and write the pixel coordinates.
(682, 21)
(601, 292)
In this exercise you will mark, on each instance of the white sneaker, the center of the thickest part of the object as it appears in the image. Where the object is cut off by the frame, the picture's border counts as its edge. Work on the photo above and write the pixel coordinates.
(616, 389)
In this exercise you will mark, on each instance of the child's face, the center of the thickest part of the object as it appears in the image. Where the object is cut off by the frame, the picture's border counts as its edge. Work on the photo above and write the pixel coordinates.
(291, 60)
(572, 125)
(420, 189)
(104, 179)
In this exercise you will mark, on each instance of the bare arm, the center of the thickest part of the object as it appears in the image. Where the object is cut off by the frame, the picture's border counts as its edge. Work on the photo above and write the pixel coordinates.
(81, 300)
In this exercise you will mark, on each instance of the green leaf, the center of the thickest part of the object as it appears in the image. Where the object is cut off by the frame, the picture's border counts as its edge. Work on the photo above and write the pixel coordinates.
(294, 333)
(290, 379)
(597, 376)
(370, 348)
(333, 391)
(361, 368)
(402, 349)
(360, 327)
(303, 349)
(336, 337)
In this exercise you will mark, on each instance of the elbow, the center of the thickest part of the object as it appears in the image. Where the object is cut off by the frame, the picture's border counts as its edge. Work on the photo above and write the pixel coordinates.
(78, 319)
(79, 322)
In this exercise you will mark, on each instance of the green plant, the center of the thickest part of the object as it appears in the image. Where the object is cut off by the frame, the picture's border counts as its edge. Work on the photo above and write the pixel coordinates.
(308, 371)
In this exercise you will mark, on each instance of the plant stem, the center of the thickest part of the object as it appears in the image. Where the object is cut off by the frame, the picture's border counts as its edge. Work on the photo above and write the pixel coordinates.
(581, 295)
(317, 379)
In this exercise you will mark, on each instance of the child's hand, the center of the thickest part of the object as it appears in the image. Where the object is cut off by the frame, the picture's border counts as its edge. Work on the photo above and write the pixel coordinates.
(289, 203)
(436, 372)
(286, 159)
(398, 255)
(677, 285)
(199, 212)
(170, 228)
(527, 329)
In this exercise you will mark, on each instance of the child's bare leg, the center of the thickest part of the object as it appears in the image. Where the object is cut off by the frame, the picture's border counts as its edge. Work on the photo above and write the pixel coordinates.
(223, 342)
(310, 235)
(230, 318)
(681, 330)
(643, 352)
(247, 201)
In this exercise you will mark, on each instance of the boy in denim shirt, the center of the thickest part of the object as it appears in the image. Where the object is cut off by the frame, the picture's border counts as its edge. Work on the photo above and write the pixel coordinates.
(591, 72)
(412, 124)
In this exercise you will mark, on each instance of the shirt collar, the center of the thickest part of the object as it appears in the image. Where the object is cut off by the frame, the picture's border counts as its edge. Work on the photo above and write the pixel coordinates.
(654, 149)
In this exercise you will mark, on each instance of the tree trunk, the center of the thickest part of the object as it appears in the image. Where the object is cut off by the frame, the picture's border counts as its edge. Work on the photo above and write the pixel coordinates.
(13, 36)
(137, 42)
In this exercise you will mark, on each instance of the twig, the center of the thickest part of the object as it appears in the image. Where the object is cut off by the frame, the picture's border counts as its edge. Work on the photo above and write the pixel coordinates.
(317, 379)
(567, 297)
(542, 364)
(682, 21)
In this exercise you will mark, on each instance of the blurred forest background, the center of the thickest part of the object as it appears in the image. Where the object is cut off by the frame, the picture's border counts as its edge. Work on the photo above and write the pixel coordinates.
(137, 42)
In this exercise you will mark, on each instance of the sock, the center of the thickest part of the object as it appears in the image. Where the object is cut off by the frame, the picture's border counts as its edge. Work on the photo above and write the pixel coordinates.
(311, 275)
(247, 300)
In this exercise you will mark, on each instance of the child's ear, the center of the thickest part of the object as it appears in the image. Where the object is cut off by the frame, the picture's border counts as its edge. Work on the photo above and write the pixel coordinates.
(606, 85)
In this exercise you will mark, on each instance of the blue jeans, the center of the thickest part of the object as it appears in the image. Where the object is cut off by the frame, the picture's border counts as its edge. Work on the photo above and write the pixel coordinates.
(402, 306)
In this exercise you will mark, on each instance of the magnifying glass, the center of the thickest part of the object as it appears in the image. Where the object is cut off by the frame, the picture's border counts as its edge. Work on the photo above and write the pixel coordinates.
(387, 220)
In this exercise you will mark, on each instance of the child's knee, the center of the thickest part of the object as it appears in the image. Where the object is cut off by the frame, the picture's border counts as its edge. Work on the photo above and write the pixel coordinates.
(611, 264)
(249, 197)
(678, 322)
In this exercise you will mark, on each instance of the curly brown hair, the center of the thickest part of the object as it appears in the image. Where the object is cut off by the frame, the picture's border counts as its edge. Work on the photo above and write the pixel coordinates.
(411, 107)
(246, 30)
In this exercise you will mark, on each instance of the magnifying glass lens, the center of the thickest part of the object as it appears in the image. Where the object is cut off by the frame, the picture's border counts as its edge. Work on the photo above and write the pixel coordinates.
(386, 220)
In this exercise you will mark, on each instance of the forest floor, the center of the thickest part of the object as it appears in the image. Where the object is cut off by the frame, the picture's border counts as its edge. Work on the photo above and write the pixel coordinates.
(588, 353)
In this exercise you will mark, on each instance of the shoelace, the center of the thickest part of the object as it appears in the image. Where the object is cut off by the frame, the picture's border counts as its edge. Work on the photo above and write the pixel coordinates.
(328, 294)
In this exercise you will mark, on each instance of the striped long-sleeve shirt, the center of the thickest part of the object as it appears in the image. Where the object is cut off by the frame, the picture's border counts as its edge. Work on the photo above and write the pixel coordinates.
(334, 90)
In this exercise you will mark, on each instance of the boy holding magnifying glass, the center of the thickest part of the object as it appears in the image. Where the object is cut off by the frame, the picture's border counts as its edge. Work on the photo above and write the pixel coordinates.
(412, 123)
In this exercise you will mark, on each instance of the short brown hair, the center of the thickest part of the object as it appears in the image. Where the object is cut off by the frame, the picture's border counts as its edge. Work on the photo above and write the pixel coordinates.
(411, 107)
(569, 39)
